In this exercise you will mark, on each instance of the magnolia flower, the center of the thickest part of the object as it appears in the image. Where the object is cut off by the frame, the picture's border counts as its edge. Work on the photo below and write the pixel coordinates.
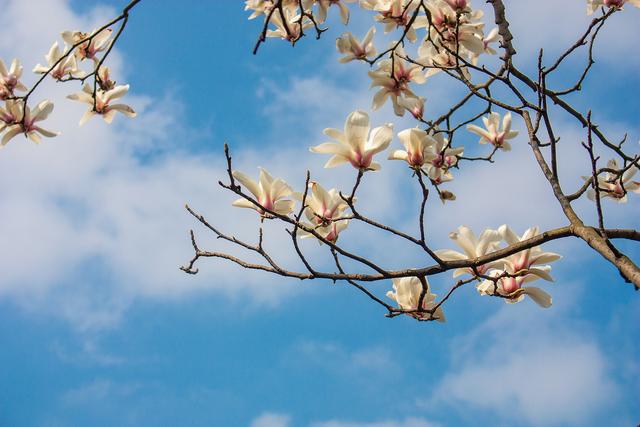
(104, 78)
(349, 46)
(395, 83)
(473, 247)
(492, 134)
(417, 144)
(67, 67)
(492, 37)
(10, 79)
(102, 102)
(329, 232)
(406, 293)
(28, 125)
(489, 287)
(270, 193)
(10, 114)
(324, 206)
(323, 7)
(519, 269)
(292, 31)
(258, 7)
(397, 14)
(459, 5)
(613, 185)
(441, 159)
(353, 145)
(89, 49)
(593, 5)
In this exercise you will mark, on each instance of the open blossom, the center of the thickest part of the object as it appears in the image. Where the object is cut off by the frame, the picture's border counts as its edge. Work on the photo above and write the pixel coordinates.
(28, 126)
(615, 186)
(473, 247)
(493, 133)
(397, 14)
(324, 5)
(324, 206)
(90, 48)
(593, 5)
(519, 269)
(68, 67)
(103, 104)
(417, 144)
(406, 293)
(272, 194)
(394, 83)
(10, 79)
(355, 145)
(442, 158)
(349, 46)
(289, 28)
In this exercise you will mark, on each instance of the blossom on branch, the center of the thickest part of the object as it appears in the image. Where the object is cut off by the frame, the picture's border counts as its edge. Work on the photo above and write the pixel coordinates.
(615, 185)
(10, 79)
(417, 144)
(290, 28)
(67, 67)
(271, 194)
(394, 76)
(593, 5)
(356, 145)
(473, 247)
(407, 292)
(349, 46)
(397, 14)
(98, 42)
(519, 269)
(25, 121)
(100, 104)
(494, 134)
(442, 158)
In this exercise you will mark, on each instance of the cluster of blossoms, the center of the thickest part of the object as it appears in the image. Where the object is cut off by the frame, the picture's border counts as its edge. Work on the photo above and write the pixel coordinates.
(62, 64)
(505, 277)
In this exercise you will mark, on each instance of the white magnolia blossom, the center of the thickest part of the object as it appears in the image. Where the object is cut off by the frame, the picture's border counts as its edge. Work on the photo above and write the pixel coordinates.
(355, 145)
(442, 159)
(103, 106)
(292, 30)
(89, 49)
(519, 269)
(493, 133)
(323, 211)
(10, 79)
(593, 5)
(406, 293)
(397, 14)
(27, 124)
(67, 67)
(473, 247)
(352, 48)
(395, 84)
(417, 148)
(615, 186)
(454, 31)
(272, 194)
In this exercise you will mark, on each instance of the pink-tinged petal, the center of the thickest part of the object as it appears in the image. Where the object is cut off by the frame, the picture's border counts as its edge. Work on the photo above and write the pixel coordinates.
(335, 134)
(331, 148)
(380, 139)
(284, 207)
(379, 99)
(109, 116)
(398, 155)
(42, 111)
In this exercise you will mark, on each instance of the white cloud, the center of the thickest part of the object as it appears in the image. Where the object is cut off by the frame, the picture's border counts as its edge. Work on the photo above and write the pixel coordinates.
(524, 365)
(271, 420)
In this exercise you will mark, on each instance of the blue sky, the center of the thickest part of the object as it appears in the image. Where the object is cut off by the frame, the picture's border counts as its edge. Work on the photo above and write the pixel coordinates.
(99, 327)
